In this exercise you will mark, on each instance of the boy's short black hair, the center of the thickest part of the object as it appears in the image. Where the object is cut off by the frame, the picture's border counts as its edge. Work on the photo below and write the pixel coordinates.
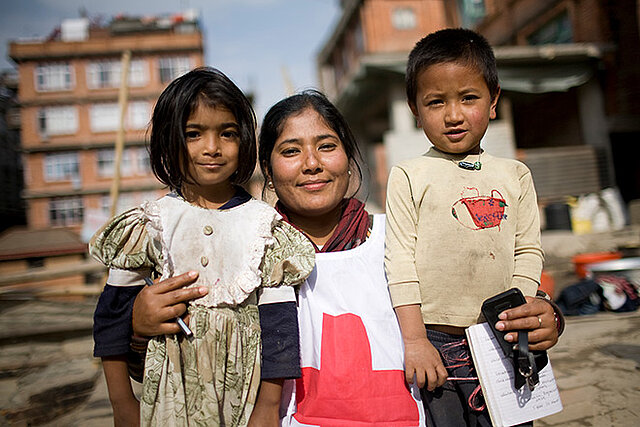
(167, 145)
(452, 45)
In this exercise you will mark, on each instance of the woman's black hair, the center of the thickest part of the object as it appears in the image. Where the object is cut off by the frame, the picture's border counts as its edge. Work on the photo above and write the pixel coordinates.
(167, 145)
(277, 115)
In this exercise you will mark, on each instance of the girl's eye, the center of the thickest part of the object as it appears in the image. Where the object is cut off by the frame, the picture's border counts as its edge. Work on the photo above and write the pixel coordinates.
(192, 134)
(230, 134)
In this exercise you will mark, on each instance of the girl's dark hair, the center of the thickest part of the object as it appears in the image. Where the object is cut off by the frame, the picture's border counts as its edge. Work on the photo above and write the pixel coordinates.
(277, 115)
(167, 145)
(452, 45)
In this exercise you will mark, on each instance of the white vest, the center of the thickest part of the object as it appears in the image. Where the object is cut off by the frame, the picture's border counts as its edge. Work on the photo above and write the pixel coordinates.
(350, 343)
(225, 246)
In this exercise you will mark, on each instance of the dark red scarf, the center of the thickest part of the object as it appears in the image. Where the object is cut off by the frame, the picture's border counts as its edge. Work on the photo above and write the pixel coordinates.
(351, 231)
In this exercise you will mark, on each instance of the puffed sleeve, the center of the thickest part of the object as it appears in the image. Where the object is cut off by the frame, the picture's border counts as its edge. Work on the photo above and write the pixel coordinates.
(288, 262)
(125, 246)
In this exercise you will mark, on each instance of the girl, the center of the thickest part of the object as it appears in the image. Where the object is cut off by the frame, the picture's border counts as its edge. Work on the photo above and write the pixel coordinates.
(202, 145)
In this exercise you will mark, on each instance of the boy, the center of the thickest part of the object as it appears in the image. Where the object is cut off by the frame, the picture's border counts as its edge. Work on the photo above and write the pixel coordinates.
(462, 225)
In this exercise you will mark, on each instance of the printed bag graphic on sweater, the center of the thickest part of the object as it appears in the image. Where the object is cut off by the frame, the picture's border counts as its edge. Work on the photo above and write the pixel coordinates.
(480, 211)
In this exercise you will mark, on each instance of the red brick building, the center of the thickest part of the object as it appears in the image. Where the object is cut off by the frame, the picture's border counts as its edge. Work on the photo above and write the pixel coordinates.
(569, 72)
(68, 91)
(69, 117)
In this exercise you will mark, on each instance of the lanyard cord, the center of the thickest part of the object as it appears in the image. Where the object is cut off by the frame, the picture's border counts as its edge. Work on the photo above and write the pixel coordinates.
(452, 362)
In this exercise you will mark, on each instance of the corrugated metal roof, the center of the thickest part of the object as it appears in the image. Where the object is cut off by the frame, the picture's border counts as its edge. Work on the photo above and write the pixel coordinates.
(559, 172)
(17, 243)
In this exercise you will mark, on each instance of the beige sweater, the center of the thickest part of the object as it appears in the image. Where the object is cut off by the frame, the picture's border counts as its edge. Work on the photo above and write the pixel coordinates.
(456, 237)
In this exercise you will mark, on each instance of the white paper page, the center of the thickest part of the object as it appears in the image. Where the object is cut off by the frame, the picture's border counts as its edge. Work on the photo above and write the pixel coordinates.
(507, 405)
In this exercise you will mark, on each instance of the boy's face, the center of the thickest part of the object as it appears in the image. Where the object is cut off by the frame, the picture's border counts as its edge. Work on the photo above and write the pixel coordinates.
(453, 106)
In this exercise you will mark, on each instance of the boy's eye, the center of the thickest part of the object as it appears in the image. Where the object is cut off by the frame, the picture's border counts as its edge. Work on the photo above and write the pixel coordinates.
(434, 102)
(470, 97)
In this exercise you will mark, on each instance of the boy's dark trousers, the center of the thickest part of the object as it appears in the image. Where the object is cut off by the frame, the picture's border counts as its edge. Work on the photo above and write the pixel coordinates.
(451, 404)
(448, 406)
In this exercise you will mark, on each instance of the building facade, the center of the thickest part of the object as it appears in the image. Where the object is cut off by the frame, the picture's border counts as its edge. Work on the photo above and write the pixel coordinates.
(11, 173)
(68, 93)
(568, 70)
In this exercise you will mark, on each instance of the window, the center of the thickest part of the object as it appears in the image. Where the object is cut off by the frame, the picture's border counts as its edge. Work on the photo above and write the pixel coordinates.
(106, 74)
(139, 115)
(52, 77)
(137, 73)
(35, 262)
(173, 67)
(471, 12)
(61, 167)
(58, 120)
(403, 18)
(106, 117)
(106, 160)
(66, 211)
(144, 164)
(557, 30)
(135, 161)
(126, 201)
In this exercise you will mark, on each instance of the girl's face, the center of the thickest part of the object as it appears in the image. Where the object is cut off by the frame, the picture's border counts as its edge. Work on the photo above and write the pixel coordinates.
(213, 141)
(309, 166)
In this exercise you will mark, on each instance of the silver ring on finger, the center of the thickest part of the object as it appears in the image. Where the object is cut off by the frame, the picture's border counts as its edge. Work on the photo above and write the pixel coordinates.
(539, 322)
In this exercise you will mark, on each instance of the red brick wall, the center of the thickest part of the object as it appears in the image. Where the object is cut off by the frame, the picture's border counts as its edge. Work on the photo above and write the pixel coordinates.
(381, 36)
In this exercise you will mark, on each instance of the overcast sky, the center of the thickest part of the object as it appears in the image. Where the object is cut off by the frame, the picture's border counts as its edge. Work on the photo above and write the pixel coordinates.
(251, 41)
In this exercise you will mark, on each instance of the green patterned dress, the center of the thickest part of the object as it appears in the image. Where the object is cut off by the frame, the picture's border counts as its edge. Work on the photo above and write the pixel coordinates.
(213, 377)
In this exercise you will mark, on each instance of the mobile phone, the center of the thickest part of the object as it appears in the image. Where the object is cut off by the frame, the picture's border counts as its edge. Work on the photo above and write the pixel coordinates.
(495, 305)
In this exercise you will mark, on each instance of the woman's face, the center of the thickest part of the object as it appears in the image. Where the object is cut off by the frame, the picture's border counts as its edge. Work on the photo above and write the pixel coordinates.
(309, 166)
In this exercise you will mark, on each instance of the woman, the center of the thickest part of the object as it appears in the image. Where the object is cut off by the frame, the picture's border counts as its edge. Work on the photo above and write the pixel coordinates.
(309, 158)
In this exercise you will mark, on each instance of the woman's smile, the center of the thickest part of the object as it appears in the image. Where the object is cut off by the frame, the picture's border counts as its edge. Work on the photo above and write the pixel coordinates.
(315, 185)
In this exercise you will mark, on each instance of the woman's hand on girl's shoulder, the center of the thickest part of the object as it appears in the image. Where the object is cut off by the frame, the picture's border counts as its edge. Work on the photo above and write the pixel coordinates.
(156, 307)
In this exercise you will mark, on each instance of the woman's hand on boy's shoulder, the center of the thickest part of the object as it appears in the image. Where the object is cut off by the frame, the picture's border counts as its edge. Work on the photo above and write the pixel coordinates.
(537, 316)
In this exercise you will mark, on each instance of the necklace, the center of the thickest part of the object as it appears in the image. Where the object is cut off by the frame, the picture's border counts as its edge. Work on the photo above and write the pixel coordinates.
(470, 166)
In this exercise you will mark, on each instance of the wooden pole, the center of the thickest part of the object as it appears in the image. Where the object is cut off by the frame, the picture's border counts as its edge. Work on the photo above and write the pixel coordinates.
(288, 83)
(119, 145)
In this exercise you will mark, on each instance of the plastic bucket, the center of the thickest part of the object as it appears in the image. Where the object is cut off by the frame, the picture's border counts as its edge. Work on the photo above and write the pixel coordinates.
(547, 284)
(628, 267)
(581, 261)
